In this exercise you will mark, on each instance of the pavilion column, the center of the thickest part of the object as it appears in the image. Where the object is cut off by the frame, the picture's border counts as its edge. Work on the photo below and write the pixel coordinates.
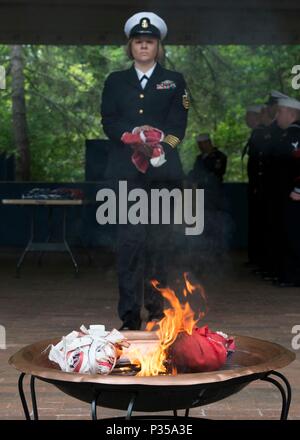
(20, 128)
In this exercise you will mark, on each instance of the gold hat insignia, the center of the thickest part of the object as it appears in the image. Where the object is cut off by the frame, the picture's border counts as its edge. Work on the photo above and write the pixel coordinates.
(144, 23)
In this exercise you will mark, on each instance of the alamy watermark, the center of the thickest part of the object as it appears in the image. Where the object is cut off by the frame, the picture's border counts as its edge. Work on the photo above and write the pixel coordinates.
(296, 338)
(2, 338)
(296, 79)
(183, 207)
(2, 78)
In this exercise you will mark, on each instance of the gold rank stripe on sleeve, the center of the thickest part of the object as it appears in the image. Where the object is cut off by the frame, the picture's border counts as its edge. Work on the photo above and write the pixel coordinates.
(172, 140)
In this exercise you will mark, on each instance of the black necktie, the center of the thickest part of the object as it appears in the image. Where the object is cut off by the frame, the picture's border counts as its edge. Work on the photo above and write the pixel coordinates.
(144, 77)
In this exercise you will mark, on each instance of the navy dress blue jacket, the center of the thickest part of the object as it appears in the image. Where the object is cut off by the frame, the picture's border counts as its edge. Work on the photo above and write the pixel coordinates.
(163, 104)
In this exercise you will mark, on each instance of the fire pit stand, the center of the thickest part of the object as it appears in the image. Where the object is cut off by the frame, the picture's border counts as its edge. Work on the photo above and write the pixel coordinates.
(253, 360)
(286, 395)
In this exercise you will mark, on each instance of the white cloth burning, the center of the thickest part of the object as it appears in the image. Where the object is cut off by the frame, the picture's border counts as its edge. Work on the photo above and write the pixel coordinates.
(92, 351)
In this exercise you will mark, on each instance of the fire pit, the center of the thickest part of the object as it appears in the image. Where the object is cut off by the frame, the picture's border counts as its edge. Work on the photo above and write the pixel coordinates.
(253, 359)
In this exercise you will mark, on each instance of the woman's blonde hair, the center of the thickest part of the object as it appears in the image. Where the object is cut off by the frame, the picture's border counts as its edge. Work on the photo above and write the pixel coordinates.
(160, 56)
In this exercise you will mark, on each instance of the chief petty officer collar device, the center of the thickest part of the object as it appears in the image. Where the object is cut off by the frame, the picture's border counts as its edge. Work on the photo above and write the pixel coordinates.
(145, 23)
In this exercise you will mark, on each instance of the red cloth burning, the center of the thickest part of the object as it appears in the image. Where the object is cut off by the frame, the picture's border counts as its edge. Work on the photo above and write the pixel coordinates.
(153, 152)
(201, 351)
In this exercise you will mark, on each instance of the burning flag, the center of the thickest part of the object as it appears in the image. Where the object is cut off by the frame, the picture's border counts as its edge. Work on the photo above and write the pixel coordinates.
(201, 351)
(181, 347)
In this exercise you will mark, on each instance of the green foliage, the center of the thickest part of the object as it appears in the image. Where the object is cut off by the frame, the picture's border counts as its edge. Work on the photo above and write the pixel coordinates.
(63, 92)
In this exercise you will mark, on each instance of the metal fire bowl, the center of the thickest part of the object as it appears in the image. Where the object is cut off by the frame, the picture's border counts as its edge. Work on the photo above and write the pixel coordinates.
(253, 359)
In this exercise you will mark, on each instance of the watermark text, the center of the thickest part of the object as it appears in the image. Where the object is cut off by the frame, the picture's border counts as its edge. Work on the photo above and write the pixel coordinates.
(296, 338)
(296, 79)
(157, 206)
(2, 78)
(2, 338)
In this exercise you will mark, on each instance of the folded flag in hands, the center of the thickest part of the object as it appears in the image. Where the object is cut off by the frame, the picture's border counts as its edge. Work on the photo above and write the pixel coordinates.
(147, 148)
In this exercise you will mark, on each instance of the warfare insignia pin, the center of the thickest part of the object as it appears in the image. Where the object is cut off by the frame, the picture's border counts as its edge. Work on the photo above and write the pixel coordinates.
(167, 84)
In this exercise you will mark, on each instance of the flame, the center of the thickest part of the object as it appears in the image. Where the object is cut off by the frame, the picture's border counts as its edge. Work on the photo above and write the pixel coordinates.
(178, 318)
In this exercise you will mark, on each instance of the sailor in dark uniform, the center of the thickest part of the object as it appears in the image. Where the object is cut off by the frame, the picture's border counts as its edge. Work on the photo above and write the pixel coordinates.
(208, 173)
(254, 150)
(288, 118)
(143, 97)
(211, 162)
(263, 239)
(273, 199)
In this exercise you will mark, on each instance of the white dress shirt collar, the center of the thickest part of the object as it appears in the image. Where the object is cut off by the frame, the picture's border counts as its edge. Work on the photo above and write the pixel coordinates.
(148, 73)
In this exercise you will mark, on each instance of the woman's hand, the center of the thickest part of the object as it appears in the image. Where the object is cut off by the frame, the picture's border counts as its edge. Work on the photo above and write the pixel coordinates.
(142, 128)
(131, 138)
(153, 137)
(295, 196)
(143, 139)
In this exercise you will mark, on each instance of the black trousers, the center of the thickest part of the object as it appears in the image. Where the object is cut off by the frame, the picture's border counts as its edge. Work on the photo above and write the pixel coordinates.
(290, 269)
(143, 254)
(256, 248)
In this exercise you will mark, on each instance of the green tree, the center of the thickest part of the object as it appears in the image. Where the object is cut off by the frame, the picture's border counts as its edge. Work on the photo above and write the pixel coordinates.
(63, 87)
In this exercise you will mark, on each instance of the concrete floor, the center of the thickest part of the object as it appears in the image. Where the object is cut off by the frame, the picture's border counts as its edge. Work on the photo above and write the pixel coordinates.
(48, 301)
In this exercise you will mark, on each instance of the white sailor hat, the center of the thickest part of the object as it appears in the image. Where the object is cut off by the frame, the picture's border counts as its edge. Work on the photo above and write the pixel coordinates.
(274, 96)
(203, 137)
(255, 108)
(277, 95)
(289, 102)
(145, 23)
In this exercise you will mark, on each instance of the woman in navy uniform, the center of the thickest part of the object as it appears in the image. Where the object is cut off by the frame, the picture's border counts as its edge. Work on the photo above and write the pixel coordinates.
(144, 96)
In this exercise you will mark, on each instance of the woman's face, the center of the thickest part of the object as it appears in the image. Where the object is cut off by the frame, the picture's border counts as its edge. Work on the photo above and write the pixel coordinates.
(144, 49)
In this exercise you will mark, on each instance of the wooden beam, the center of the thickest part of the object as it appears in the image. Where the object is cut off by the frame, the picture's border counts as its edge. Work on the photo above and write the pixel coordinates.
(189, 22)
